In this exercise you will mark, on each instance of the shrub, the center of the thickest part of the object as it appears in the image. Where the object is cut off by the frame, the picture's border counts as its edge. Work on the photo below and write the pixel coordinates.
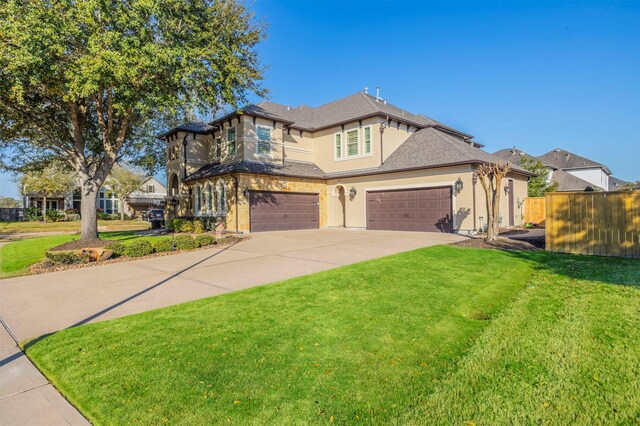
(102, 215)
(203, 240)
(55, 215)
(31, 214)
(169, 224)
(66, 257)
(198, 227)
(73, 217)
(187, 226)
(138, 248)
(162, 245)
(117, 248)
(185, 242)
(114, 216)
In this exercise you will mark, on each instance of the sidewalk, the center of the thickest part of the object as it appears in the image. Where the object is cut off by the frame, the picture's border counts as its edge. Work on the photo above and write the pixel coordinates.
(24, 389)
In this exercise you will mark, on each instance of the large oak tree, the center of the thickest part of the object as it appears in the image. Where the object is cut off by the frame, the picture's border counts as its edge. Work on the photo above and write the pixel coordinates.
(84, 80)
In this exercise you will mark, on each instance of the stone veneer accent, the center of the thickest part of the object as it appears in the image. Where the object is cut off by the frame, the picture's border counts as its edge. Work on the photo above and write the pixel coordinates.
(260, 182)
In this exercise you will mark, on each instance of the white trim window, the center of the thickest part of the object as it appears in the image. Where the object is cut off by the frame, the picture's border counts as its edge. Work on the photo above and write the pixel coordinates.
(367, 139)
(197, 202)
(231, 140)
(353, 143)
(264, 140)
(338, 145)
(218, 148)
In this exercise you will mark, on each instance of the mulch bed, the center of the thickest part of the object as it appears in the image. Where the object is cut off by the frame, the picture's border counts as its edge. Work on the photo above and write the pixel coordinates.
(80, 244)
(499, 244)
(42, 267)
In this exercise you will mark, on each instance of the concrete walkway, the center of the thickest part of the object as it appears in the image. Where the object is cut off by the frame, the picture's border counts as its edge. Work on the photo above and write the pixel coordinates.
(35, 305)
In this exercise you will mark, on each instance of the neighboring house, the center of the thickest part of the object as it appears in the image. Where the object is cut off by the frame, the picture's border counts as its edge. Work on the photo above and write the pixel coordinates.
(358, 162)
(151, 194)
(595, 173)
(572, 172)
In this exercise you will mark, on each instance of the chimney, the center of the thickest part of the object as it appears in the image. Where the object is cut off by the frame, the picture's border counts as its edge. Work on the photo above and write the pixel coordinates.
(366, 90)
(378, 92)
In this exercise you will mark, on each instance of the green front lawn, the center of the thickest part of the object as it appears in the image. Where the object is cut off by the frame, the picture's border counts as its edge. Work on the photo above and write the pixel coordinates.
(35, 226)
(442, 335)
(17, 256)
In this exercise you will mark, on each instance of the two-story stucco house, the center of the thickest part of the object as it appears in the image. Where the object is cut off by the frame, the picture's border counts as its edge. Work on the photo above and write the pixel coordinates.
(356, 162)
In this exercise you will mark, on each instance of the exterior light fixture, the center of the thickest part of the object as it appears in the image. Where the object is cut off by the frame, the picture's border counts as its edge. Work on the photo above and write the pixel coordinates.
(245, 192)
(352, 192)
(474, 178)
(506, 189)
(458, 185)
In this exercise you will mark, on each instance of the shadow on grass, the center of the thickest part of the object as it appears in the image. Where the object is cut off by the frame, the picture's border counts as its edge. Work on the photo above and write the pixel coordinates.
(607, 270)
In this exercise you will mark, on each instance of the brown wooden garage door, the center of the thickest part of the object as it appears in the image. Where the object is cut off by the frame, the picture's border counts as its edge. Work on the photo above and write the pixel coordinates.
(283, 211)
(424, 209)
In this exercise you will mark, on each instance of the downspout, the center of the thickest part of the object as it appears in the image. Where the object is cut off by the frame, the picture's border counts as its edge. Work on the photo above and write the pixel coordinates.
(184, 154)
(382, 127)
(235, 180)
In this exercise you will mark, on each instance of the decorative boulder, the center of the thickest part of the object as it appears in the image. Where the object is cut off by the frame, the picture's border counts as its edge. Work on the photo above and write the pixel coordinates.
(97, 254)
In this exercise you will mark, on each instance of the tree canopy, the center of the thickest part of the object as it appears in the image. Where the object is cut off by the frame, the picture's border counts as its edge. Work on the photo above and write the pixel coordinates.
(89, 81)
(122, 181)
(538, 184)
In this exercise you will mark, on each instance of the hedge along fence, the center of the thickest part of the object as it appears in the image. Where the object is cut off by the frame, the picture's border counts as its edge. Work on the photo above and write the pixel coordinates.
(535, 210)
(596, 223)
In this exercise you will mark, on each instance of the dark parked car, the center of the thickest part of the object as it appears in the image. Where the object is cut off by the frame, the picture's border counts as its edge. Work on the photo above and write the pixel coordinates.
(155, 216)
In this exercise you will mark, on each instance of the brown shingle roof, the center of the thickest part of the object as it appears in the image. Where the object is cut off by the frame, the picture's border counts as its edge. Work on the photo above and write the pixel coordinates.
(567, 160)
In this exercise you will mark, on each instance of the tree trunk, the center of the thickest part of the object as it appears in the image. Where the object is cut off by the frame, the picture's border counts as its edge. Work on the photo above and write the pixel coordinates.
(89, 222)
(121, 206)
(44, 208)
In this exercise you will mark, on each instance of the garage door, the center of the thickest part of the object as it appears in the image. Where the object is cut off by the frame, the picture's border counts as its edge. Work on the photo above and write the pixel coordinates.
(283, 211)
(424, 209)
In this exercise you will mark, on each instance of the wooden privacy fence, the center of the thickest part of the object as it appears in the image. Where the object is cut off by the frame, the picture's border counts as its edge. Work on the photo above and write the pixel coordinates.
(596, 223)
(535, 210)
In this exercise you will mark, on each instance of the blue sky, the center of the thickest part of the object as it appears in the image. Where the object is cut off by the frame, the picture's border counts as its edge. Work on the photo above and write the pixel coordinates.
(536, 75)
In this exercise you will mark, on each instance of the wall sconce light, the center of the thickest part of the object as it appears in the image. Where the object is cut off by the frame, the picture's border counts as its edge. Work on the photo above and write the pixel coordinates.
(352, 192)
(474, 178)
(457, 186)
(506, 189)
(245, 192)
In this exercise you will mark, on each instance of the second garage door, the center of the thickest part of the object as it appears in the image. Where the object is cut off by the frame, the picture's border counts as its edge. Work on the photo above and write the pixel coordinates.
(424, 209)
(283, 211)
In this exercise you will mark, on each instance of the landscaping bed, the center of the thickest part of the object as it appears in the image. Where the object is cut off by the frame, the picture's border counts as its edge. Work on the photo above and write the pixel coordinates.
(72, 256)
(510, 338)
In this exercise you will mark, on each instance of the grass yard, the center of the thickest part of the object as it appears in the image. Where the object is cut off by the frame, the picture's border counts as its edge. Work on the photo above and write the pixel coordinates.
(441, 335)
(17, 256)
(106, 225)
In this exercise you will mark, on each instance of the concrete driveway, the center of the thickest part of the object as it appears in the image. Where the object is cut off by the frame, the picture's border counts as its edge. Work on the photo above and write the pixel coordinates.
(35, 305)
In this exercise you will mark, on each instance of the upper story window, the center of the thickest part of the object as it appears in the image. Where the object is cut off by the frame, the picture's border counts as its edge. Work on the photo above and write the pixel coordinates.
(367, 139)
(264, 140)
(218, 148)
(231, 140)
(338, 145)
(353, 143)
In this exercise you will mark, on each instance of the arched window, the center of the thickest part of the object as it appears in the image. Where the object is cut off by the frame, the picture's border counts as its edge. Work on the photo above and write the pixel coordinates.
(173, 186)
(209, 198)
(221, 206)
(197, 202)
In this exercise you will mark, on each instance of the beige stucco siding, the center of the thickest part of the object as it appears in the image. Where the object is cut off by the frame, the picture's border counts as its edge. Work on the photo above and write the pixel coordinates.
(463, 207)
